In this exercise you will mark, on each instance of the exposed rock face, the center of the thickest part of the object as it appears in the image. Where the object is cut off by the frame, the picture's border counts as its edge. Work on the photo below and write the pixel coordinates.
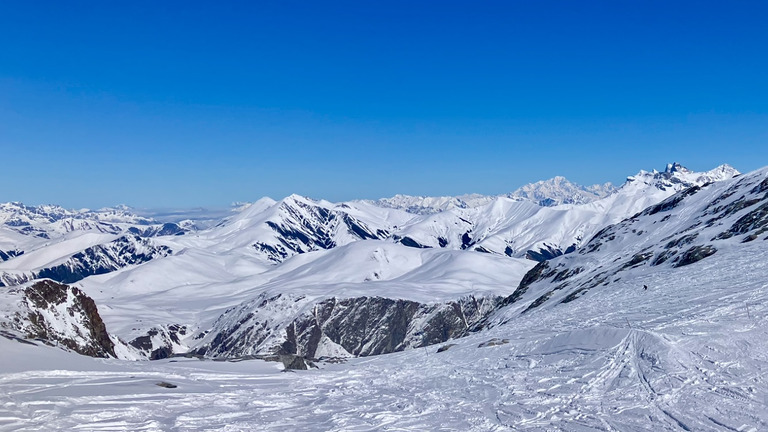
(161, 342)
(62, 314)
(360, 326)
(124, 251)
(300, 225)
(6, 255)
(694, 254)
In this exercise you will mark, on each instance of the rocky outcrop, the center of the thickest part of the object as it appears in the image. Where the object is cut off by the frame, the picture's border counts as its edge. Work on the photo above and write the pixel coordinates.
(62, 315)
(161, 342)
(360, 326)
(6, 255)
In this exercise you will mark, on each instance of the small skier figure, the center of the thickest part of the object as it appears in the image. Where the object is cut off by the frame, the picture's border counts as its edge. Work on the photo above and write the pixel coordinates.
(645, 287)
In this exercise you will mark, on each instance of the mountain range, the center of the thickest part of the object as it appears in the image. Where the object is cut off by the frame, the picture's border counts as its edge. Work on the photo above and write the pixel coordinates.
(438, 265)
(616, 309)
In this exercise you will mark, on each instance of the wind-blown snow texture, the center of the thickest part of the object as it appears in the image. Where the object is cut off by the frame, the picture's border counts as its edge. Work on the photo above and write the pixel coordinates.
(576, 343)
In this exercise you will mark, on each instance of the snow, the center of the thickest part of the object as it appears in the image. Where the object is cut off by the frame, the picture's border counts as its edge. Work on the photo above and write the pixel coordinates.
(683, 355)
(195, 287)
(689, 353)
(65, 247)
(213, 270)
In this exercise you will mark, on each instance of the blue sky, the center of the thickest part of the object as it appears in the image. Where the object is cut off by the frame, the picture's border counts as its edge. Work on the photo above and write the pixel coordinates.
(168, 104)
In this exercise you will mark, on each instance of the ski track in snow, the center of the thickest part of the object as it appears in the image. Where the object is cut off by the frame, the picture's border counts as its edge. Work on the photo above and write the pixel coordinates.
(684, 355)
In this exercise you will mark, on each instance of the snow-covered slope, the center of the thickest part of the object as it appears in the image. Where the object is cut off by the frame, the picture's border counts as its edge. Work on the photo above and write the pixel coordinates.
(523, 229)
(688, 354)
(690, 226)
(577, 343)
(63, 264)
(277, 262)
(295, 225)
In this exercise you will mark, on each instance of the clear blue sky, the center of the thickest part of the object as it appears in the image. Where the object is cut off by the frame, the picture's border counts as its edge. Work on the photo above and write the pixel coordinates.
(165, 104)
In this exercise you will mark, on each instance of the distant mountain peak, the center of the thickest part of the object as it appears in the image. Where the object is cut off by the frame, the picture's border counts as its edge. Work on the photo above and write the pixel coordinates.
(677, 176)
(559, 190)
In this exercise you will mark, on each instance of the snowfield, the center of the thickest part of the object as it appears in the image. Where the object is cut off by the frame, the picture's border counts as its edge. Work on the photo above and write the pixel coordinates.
(690, 353)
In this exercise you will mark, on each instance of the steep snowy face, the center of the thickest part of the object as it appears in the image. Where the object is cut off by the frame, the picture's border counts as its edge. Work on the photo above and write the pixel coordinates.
(99, 259)
(277, 231)
(559, 190)
(682, 230)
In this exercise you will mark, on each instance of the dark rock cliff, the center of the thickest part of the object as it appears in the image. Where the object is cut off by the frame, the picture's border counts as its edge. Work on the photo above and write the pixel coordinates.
(64, 315)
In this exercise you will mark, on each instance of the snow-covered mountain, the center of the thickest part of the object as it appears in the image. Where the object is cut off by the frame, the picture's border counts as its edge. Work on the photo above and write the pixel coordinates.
(555, 191)
(520, 228)
(548, 193)
(559, 190)
(93, 260)
(423, 205)
(685, 228)
(275, 264)
(49, 220)
(575, 342)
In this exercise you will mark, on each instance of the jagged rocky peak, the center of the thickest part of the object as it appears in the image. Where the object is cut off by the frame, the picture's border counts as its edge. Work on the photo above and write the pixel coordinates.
(721, 172)
(675, 167)
(60, 315)
(678, 177)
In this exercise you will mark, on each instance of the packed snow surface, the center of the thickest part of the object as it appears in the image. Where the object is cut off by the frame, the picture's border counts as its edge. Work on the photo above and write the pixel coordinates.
(689, 353)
